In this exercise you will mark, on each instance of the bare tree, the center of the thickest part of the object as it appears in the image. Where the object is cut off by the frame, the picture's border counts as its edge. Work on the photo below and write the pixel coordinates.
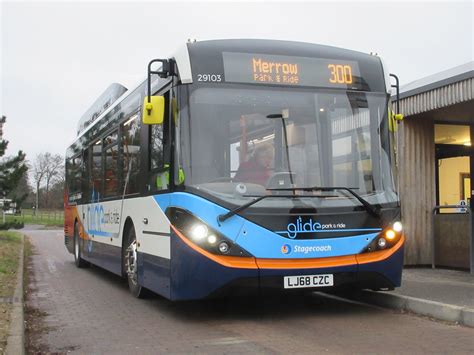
(54, 172)
(47, 169)
(39, 171)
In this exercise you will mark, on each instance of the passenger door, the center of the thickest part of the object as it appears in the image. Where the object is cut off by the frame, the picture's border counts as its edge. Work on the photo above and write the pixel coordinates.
(158, 153)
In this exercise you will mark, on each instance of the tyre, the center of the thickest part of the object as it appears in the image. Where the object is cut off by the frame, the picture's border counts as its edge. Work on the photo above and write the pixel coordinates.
(78, 260)
(130, 264)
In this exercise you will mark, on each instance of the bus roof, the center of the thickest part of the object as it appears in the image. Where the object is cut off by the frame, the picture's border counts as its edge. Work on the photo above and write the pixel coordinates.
(272, 46)
(233, 60)
(195, 55)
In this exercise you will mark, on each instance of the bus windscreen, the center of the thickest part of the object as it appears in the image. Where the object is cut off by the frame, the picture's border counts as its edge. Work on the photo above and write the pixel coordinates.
(256, 68)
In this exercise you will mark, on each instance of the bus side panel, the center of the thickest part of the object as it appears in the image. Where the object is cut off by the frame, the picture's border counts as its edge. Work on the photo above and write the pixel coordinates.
(104, 255)
(152, 230)
(101, 235)
(194, 276)
(70, 215)
(154, 273)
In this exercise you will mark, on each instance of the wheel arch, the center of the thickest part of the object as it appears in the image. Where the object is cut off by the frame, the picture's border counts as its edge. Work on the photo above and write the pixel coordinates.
(71, 238)
(126, 228)
(77, 225)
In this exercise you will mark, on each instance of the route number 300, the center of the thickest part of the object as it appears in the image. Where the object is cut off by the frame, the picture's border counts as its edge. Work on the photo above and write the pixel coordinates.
(340, 74)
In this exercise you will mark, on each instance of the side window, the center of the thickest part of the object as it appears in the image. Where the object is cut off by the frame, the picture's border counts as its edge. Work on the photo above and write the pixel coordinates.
(77, 173)
(85, 173)
(69, 168)
(96, 170)
(158, 157)
(156, 147)
(111, 180)
(131, 154)
(74, 174)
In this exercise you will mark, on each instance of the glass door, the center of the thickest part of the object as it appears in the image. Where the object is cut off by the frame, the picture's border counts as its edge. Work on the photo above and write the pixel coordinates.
(453, 187)
(453, 149)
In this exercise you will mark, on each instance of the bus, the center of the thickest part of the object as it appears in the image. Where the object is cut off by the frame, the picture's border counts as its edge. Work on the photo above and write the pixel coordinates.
(241, 166)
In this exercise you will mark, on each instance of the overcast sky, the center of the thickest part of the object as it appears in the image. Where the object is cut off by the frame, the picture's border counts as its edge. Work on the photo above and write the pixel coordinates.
(58, 57)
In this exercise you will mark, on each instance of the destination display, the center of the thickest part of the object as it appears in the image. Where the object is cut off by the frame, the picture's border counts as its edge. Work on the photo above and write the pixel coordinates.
(291, 70)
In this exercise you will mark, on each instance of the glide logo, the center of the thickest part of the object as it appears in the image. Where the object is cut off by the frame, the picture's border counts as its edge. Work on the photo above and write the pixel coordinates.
(98, 218)
(310, 226)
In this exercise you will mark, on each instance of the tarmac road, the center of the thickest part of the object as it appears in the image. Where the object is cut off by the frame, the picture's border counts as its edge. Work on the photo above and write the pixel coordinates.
(90, 311)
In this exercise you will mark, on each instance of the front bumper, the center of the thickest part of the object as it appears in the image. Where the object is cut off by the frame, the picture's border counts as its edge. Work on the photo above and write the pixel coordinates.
(197, 274)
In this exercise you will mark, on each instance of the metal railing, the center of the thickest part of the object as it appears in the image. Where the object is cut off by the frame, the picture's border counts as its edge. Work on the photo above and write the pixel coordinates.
(468, 211)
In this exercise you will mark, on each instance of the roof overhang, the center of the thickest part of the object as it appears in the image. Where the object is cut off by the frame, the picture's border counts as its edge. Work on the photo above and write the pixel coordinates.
(451, 87)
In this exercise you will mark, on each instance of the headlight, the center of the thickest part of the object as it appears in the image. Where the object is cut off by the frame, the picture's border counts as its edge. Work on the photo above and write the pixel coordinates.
(212, 239)
(397, 227)
(387, 238)
(202, 235)
(198, 232)
(390, 234)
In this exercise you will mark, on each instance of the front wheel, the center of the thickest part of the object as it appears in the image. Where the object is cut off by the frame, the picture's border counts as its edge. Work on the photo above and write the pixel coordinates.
(130, 261)
(78, 260)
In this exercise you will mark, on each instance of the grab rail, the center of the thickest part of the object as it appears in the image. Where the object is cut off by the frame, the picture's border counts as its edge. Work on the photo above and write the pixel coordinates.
(471, 242)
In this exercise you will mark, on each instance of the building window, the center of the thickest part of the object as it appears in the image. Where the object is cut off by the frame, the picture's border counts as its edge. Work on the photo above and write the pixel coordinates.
(452, 134)
(453, 165)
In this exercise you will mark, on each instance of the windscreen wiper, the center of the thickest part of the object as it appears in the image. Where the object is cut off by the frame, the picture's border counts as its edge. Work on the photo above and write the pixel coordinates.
(223, 217)
(374, 211)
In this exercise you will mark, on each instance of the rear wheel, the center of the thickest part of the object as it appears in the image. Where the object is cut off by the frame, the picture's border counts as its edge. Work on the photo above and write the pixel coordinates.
(131, 265)
(80, 263)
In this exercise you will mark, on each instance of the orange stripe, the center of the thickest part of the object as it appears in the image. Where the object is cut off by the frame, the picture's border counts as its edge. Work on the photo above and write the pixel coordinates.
(229, 261)
(315, 263)
(379, 255)
(306, 263)
(73, 215)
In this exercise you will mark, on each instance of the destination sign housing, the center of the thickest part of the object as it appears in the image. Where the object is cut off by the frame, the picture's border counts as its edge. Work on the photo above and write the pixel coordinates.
(290, 70)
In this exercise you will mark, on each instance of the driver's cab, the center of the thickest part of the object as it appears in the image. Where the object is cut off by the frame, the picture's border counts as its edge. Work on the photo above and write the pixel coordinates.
(263, 152)
(267, 157)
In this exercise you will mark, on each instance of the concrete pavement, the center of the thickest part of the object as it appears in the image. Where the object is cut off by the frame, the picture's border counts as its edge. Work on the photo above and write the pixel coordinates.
(91, 311)
(439, 285)
(446, 295)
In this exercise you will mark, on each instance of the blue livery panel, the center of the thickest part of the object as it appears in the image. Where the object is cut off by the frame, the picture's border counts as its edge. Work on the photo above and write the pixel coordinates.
(263, 243)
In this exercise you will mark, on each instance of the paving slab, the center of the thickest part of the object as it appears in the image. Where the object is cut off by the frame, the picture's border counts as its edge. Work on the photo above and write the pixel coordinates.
(442, 294)
(440, 285)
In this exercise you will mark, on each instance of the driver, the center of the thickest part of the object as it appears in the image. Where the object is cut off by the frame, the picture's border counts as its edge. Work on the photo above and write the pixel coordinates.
(257, 169)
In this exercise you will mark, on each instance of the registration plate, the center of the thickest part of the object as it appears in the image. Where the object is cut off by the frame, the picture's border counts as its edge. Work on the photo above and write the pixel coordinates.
(308, 281)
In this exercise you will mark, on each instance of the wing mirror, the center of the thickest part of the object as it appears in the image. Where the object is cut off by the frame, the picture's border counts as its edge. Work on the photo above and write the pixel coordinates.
(153, 110)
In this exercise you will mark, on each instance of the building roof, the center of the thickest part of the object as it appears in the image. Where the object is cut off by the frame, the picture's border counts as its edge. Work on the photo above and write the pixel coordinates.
(446, 88)
(431, 82)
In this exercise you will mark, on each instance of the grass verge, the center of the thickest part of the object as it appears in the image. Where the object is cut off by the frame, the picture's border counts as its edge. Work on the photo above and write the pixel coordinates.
(47, 220)
(10, 245)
